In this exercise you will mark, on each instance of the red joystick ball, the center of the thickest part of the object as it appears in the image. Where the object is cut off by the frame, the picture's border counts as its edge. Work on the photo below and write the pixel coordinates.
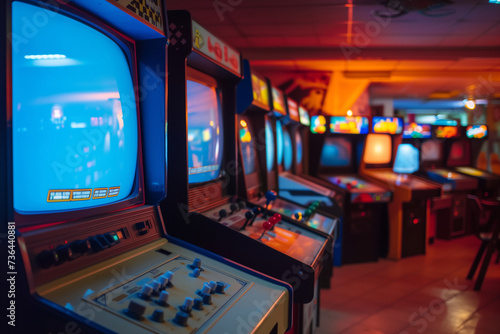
(267, 225)
(273, 220)
(277, 216)
(348, 186)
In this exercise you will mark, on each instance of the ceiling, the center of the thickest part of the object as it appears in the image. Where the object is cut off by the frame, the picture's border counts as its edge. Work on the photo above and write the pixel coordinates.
(397, 49)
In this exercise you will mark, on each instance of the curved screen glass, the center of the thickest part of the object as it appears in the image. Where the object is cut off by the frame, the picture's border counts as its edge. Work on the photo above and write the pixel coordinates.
(287, 150)
(269, 146)
(407, 159)
(204, 132)
(298, 147)
(247, 147)
(74, 117)
(279, 141)
(336, 152)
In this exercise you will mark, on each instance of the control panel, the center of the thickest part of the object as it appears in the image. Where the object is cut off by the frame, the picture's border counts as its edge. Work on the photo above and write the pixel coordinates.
(159, 286)
(308, 216)
(270, 229)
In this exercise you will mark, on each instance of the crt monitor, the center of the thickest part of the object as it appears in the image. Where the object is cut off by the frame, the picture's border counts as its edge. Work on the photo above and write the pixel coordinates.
(378, 149)
(75, 136)
(407, 159)
(336, 152)
(204, 129)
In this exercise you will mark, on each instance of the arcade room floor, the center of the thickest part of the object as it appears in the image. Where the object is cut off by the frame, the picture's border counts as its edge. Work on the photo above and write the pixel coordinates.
(422, 294)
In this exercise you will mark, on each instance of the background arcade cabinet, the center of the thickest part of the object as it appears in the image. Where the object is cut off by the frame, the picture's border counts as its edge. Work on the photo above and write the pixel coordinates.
(253, 104)
(292, 187)
(455, 186)
(204, 72)
(94, 254)
(270, 152)
(409, 209)
(468, 156)
(335, 159)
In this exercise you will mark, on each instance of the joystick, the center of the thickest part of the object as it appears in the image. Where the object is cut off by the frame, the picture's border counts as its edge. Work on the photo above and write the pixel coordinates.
(242, 205)
(267, 226)
(248, 215)
(222, 214)
(234, 207)
(271, 195)
(256, 211)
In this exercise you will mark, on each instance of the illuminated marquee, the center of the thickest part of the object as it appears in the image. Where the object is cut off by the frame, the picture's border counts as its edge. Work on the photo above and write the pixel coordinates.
(446, 132)
(351, 125)
(387, 125)
(477, 131)
(414, 130)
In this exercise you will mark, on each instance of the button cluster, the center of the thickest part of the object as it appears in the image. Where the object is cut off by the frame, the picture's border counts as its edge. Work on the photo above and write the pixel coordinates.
(158, 288)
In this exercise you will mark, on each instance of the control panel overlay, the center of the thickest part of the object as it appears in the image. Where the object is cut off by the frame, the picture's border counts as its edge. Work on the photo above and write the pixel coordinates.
(290, 239)
(118, 299)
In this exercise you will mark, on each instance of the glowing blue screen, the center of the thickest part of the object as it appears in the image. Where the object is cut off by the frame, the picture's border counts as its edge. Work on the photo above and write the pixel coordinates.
(269, 147)
(279, 141)
(336, 152)
(288, 150)
(298, 147)
(74, 118)
(407, 159)
(204, 132)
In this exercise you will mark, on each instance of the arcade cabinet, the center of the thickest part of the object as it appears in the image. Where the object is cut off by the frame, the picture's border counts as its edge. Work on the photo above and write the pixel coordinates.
(409, 209)
(292, 187)
(468, 154)
(455, 186)
(203, 74)
(364, 226)
(94, 255)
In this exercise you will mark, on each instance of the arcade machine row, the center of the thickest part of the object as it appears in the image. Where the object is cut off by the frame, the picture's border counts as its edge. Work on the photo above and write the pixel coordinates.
(468, 156)
(335, 158)
(258, 149)
(449, 223)
(91, 255)
(390, 164)
(254, 103)
(203, 75)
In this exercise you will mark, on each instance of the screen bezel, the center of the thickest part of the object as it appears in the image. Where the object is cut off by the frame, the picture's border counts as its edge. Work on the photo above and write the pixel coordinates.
(205, 79)
(136, 197)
